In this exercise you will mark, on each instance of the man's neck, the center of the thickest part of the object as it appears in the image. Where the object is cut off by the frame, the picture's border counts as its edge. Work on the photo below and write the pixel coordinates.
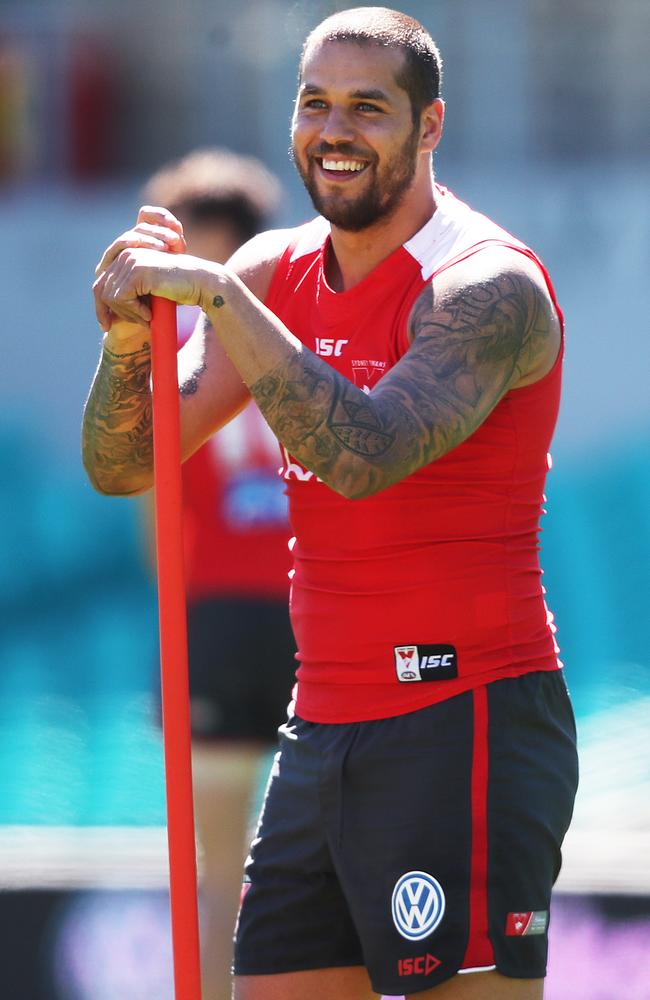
(354, 255)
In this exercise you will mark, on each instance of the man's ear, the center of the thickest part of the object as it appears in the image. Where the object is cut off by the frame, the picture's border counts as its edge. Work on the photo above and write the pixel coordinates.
(431, 122)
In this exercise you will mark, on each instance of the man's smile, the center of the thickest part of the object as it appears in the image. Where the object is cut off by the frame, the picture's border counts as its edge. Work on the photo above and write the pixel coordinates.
(339, 169)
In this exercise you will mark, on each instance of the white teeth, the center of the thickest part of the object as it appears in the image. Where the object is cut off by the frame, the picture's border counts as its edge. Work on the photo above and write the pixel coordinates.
(342, 165)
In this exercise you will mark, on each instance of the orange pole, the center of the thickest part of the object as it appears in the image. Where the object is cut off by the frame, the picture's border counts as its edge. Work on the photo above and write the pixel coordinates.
(173, 653)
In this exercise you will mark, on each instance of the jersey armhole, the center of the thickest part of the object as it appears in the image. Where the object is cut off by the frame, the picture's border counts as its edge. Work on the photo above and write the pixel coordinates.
(279, 274)
(301, 242)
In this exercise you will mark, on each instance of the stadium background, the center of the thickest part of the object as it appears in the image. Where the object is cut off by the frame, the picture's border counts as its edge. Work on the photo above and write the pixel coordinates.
(547, 131)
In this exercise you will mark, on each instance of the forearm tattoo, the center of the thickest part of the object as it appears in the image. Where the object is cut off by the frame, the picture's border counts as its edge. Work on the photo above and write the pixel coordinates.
(468, 348)
(117, 433)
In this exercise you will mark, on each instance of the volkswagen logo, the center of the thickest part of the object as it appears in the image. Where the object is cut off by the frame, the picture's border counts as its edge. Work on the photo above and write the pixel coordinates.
(418, 905)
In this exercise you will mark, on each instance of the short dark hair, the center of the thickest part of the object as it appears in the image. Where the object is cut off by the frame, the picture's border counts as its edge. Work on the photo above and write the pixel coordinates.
(421, 75)
(216, 185)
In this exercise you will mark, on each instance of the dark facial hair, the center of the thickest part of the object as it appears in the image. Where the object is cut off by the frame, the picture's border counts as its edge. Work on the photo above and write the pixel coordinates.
(381, 196)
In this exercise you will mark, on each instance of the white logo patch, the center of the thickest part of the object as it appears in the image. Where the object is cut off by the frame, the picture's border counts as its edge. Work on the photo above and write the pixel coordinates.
(407, 663)
(417, 905)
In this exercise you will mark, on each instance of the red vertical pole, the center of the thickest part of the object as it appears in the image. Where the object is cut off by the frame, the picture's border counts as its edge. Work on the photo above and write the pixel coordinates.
(173, 652)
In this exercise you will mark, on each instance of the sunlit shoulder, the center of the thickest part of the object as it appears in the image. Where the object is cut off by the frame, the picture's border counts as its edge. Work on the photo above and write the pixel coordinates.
(497, 293)
(255, 261)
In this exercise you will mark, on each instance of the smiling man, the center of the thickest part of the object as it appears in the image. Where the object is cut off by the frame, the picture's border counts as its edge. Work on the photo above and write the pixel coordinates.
(383, 156)
(406, 351)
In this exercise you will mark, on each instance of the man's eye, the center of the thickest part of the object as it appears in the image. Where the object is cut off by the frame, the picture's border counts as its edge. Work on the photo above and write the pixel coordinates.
(314, 102)
(365, 106)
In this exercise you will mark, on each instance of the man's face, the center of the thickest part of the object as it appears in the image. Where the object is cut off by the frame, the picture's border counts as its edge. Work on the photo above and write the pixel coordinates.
(353, 138)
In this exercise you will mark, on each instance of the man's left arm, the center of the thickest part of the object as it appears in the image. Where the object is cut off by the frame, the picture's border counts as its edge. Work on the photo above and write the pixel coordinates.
(478, 331)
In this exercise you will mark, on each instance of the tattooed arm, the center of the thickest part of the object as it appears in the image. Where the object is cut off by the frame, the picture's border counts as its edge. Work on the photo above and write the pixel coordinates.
(117, 428)
(117, 443)
(482, 328)
(117, 431)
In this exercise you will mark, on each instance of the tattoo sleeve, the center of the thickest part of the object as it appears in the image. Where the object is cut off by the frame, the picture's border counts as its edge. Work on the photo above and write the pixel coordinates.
(468, 349)
(117, 431)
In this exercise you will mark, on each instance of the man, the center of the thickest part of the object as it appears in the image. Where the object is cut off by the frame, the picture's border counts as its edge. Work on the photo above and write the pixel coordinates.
(240, 644)
(406, 352)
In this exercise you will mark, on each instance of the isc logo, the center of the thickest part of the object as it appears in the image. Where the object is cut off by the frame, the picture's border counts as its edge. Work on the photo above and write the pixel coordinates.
(420, 966)
(437, 661)
(328, 348)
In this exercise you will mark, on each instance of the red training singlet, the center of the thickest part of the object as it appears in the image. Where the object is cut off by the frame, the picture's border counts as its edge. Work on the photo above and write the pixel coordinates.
(432, 586)
(234, 508)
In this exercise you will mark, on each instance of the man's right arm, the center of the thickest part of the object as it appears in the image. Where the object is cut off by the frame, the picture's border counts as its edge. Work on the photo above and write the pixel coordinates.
(117, 433)
(117, 430)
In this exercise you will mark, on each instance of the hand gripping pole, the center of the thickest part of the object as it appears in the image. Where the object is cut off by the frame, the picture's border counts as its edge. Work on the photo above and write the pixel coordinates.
(173, 652)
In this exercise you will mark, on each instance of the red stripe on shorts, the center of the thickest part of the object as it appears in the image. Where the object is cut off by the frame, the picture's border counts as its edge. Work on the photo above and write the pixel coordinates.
(479, 948)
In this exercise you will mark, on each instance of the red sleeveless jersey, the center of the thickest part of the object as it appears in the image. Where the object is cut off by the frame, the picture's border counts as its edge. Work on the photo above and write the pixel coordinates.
(432, 586)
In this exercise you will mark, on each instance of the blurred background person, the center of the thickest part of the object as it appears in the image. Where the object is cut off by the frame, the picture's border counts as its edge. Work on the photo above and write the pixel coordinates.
(240, 644)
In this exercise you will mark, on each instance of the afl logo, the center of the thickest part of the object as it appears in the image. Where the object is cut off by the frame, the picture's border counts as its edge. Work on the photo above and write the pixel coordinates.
(418, 905)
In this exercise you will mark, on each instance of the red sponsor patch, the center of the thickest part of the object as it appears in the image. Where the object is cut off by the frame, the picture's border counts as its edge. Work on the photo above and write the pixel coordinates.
(523, 924)
(420, 966)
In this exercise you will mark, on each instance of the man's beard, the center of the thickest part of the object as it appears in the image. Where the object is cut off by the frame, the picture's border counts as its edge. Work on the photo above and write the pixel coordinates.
(381, 196)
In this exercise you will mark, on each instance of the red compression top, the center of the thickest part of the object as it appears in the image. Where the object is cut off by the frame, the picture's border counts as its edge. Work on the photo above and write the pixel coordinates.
(432, 586)
(234, 508)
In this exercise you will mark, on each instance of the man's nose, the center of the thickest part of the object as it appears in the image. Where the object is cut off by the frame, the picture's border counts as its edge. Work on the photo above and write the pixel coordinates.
(337, 127)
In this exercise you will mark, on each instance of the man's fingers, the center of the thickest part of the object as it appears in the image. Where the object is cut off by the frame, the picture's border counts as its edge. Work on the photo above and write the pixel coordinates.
(156, 229)
(160, 217)
(114, 297)
(147, 235)
(102, 312)
(163, 223)
(124, 242)
(170, 238)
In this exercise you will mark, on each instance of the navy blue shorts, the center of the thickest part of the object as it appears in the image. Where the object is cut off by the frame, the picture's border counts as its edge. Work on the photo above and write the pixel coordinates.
(418, 846)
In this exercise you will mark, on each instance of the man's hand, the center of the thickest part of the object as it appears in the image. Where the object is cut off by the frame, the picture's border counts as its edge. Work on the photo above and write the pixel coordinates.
(117, 425)
(155, 229)
(123, 289)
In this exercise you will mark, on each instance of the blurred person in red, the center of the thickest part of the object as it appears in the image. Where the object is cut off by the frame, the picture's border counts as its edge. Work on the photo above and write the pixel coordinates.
(240, 644)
